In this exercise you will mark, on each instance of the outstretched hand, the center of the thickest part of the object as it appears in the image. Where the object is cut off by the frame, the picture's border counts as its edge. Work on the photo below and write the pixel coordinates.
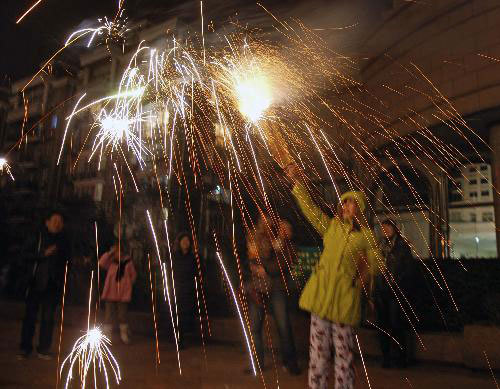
(293, 172)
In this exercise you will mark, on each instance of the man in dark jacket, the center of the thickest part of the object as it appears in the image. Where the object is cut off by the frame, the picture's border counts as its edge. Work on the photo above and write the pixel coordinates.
(50, 254)
(393, 290)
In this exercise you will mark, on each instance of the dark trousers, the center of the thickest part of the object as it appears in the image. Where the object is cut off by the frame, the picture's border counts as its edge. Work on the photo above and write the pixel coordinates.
(115, 310)
(277, 305)
(390, 318)
(47, 302)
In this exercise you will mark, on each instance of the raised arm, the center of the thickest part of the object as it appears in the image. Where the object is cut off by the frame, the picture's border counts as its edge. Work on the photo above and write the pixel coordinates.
(319, 220)
(105, 260)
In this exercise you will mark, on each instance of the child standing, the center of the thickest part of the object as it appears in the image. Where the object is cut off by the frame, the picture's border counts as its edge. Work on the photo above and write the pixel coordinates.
(117, 290)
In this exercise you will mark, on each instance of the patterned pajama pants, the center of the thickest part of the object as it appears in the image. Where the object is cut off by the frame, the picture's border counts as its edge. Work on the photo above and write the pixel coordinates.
(328, 337)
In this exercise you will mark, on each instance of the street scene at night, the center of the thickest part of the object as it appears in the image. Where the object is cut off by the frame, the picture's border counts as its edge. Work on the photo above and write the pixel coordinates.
(238, 194)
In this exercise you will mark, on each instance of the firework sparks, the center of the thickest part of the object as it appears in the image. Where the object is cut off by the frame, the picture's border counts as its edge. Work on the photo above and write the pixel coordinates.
(253, 93)
(28, 11)
(247, 339)
(166, 291)
(263, 97)
(5, 168)
(363, 360)
(91, 352)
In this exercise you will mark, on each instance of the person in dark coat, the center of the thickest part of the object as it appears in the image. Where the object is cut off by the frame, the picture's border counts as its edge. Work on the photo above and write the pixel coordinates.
(50, 253)
(396, 280)
(184, 270)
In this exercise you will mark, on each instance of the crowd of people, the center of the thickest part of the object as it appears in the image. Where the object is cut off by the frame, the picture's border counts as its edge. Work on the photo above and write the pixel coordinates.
(354, 266)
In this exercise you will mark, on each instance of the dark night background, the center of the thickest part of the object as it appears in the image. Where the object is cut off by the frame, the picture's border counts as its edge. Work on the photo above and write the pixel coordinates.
(26, 45)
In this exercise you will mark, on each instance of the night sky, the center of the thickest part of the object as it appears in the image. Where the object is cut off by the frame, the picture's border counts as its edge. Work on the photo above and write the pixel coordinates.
(26, 45)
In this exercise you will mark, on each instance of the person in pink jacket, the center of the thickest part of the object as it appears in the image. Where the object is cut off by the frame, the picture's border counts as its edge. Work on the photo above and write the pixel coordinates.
(117, 290)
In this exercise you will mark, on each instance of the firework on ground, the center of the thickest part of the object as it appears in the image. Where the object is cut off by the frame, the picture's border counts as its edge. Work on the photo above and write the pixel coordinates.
(5, 168)
(91, 354)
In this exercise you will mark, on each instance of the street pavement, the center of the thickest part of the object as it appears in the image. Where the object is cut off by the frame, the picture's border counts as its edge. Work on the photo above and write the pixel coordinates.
(217, 365)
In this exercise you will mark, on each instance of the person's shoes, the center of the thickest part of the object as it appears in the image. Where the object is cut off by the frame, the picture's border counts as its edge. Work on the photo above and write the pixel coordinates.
(124, 333)
(22, 355)
(45, 356)
(292, 369)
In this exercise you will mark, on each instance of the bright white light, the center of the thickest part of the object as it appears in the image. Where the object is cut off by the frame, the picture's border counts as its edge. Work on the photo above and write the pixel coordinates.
(253, 93)
(5, 167)
(115, 128)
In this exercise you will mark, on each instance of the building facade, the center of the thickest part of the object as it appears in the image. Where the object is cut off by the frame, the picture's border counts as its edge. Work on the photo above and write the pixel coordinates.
(454, 43)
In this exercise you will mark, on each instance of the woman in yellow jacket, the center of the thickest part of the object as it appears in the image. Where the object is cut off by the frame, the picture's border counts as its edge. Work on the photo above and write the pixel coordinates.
(333, 292)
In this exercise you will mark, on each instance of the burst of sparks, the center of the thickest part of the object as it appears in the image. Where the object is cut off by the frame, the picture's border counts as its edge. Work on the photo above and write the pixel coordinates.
(5, 168)
(91, 352)
(253, 93)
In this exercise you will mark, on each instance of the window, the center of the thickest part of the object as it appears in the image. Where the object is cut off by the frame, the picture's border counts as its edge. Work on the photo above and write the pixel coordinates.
(487, 216)
(485, 193)
(472, 217)
(472, 169)
(473, 182)
(53, 121)
(483, 168)
(455, 216)
(484, 180)
(473, 194)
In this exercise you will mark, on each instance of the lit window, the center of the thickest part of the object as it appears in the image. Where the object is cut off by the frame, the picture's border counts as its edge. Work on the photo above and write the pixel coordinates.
(53, 121)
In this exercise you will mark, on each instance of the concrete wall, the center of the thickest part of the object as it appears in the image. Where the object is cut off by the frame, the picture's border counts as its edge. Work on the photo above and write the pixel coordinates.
(454, 43)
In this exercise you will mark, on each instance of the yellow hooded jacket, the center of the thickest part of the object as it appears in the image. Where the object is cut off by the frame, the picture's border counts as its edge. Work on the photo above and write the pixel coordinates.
(333, 291)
